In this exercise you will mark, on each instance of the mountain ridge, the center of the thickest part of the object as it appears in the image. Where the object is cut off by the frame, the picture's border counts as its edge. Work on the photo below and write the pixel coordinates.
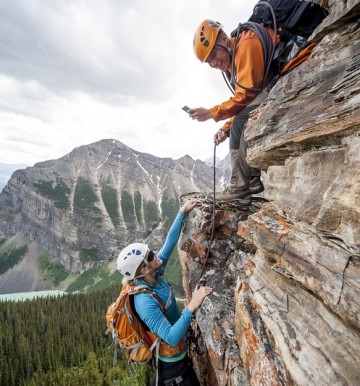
(6, 170)
(85, 206)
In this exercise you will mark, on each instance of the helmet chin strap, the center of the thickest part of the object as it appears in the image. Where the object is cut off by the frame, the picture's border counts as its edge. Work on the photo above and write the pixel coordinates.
(227, 49)
(151, 270)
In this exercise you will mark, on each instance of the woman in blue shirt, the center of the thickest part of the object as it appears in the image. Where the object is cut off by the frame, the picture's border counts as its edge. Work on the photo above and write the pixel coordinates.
(137, 262)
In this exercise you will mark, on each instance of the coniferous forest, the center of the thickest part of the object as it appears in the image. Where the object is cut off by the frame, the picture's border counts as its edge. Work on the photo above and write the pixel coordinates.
(61, 341)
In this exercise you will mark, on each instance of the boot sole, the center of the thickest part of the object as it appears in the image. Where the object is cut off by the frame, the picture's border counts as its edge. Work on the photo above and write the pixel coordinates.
(235, 200)
(257, 191)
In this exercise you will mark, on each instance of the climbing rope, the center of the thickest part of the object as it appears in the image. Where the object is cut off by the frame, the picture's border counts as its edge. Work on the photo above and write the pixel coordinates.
(213, 217)
(194, 331)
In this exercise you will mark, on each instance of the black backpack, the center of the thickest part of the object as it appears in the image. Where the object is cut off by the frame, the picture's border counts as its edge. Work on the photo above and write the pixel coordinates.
(296, 19)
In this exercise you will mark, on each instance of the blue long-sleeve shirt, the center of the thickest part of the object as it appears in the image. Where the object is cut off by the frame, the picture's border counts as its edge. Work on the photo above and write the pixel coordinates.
(172, 327)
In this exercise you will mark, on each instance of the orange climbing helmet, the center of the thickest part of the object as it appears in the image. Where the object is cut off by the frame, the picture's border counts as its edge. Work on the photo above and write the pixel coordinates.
(205, 38)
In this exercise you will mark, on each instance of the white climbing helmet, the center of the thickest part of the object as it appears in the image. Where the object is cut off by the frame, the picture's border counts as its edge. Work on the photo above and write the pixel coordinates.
(130, 258)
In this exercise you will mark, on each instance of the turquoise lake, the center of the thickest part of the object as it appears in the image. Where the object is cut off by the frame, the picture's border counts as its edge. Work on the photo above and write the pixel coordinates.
(30, 295)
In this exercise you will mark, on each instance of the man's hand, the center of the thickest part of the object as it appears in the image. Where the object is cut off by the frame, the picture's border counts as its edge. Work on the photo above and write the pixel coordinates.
(220, 136)
(200, 114)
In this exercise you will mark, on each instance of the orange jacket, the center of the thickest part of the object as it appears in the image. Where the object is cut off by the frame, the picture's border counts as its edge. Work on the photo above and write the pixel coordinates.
(249, 63)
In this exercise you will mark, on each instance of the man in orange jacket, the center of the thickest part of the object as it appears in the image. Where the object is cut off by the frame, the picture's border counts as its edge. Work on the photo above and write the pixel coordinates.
(214, 47)
(244, 58)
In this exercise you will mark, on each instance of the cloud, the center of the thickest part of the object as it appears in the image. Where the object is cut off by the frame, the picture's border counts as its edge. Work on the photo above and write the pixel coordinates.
(76, 72)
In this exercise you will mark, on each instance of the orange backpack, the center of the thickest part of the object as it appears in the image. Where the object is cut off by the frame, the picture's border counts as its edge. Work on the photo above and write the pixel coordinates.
(130, 333)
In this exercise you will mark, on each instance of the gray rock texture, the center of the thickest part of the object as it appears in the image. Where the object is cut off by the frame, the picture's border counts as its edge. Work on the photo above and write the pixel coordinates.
(285, 271)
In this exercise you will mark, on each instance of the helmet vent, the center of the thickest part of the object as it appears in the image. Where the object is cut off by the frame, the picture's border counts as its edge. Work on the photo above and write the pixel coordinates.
(125, 257)
(203, 39)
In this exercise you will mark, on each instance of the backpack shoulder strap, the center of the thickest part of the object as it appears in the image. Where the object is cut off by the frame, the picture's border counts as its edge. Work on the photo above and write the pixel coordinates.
(268, 48)
(144, 288)
(168, 301)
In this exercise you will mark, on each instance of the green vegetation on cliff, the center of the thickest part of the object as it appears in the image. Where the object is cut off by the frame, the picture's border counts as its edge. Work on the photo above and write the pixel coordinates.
(94, 279)
(151, 212)
(90, 254)
(10, 255)
(127, 207)
(137, 210)
(7, 214)
(85, 200)
(173, 273)
(55, 190)
(169, 208)
(110, 199)
(138, 207)
(53, 270)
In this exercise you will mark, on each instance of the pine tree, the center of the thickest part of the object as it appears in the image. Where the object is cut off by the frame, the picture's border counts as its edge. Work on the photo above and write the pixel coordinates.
(91, 374)
(59, 341)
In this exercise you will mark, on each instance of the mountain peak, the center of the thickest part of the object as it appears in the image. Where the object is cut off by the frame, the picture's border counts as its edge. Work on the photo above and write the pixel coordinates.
(88, 204)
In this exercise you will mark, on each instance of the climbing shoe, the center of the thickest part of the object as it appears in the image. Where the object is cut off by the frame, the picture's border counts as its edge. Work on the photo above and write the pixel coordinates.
(227, 195)
(256, 186)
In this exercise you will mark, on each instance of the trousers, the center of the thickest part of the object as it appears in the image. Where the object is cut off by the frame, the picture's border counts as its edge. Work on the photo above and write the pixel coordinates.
(180, 373)
(241, 172)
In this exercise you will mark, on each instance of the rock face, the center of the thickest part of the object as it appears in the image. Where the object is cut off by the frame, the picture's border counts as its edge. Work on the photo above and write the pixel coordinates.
(285, 309)
(87, 205)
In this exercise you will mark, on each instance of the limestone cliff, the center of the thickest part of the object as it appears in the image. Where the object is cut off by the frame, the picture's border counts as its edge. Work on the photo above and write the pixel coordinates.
(86, 206)
(286, 271)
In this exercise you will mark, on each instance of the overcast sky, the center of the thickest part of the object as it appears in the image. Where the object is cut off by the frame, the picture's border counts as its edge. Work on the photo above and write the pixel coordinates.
(73, 72)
